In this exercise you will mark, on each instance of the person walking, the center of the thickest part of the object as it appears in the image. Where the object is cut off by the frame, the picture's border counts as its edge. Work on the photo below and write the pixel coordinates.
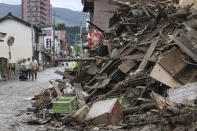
(34, 68)
(23, 68)
(28, 62)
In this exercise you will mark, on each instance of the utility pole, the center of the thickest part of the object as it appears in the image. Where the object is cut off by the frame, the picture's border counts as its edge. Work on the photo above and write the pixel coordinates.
(54, 31)
(32, 32)
(81, 35)
(76, 52)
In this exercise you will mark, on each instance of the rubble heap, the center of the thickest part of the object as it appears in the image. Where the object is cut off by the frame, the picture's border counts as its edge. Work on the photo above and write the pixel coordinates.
(147, 78)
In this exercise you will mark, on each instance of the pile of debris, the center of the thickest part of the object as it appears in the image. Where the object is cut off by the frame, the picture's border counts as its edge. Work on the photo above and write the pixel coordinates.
(147, 78)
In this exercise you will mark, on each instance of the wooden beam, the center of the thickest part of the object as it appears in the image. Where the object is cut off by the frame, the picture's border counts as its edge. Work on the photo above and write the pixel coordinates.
(186, 46)
(67, 76)
(149, 54)
(75, 59)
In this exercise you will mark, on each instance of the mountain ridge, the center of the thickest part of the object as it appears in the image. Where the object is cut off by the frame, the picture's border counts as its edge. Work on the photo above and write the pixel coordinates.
(67, 16)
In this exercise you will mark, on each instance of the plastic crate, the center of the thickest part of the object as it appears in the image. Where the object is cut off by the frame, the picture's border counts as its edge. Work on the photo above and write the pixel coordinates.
(64, 104)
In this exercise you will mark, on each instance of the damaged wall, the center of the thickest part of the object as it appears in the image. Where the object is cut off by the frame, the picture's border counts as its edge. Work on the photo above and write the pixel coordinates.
(103, 11)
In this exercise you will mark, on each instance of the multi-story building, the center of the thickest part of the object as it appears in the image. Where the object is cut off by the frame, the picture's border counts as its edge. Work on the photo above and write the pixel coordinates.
(56, 44)
(41, 11)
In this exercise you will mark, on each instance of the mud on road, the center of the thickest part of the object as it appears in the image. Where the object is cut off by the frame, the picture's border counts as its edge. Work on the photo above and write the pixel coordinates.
(15, 98)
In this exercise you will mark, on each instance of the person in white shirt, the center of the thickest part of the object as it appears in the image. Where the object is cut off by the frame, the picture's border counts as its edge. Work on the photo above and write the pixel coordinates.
(28, 62)
(34, 68)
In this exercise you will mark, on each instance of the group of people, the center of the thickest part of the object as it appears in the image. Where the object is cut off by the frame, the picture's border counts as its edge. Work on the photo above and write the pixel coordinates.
(29, 69)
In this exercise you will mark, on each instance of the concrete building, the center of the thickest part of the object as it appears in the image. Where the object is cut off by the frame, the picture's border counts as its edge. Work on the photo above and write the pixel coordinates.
(41, 11)
(21, 31)
(57, 47)
(100, 11)
(63, 40)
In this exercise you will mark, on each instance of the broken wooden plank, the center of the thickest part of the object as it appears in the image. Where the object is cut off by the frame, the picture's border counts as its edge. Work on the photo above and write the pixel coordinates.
(156, 31)
(55, 85)
(134, 57)
(186, 46)
(168, 62)
(67, 76)
(127, 66)
(105, 66)
(128, 51)
(161, 75)
(120, 85)
(153, 13)
(187, 75)
(91, 95)
(113, 73)
(148, 54)
(75, 59)
(162, 103)
(100, 85)
(192, 33)
(146, 11)
(80, 96)
(138, 108)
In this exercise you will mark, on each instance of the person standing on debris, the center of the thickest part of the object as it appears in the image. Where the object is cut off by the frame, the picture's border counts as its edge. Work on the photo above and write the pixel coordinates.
(28, 62)
(34, 68)
(23, 68)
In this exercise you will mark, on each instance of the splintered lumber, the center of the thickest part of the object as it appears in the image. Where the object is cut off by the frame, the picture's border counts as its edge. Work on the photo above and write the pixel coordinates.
(65, 75)
(133, 57)
(161, 75)
(91, 95)
(120, 85)
(161, 102)
(127, 66)
(116, 88)
(146, 11)
(75, 59)
(138, 108)
(55, 85)
(174, 56)
(186, 46)
(149, 54)
(80, 97)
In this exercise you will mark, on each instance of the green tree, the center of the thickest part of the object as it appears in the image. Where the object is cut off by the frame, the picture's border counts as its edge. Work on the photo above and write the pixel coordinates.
(47, 25)
(72, 32)
(60, 26)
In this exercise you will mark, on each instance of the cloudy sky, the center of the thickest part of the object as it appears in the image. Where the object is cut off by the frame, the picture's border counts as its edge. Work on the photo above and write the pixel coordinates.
(70, 4)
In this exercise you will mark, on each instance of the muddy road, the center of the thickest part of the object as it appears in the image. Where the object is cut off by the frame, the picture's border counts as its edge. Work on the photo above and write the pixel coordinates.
(15, 98)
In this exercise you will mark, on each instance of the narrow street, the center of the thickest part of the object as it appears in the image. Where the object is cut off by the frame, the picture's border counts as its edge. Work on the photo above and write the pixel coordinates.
(15, 98)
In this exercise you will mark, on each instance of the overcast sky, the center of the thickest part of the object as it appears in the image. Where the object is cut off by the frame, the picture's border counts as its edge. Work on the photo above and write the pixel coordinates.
(70, 4)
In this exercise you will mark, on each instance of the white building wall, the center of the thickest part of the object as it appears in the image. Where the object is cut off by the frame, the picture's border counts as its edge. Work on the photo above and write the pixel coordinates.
(22, 48)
